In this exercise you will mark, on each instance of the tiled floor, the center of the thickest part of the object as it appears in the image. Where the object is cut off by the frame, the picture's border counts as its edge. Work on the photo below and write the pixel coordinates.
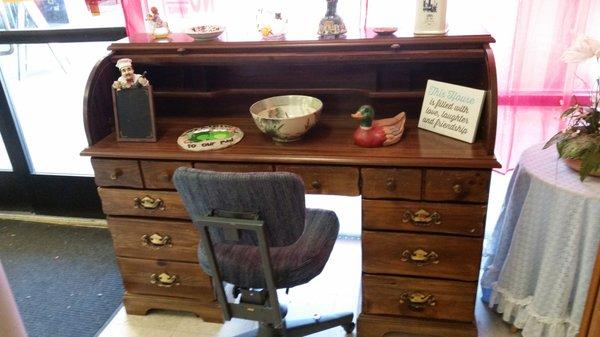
(336, 289)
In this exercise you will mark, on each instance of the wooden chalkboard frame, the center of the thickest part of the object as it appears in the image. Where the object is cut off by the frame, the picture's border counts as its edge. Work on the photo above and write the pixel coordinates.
(121, 137)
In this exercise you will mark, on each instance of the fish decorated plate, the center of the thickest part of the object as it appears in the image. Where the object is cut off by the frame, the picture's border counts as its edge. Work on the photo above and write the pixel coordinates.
(210, 137)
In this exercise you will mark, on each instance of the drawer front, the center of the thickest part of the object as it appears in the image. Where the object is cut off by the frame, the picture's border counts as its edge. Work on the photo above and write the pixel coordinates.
(456, 185)
(233, 167)
(113, 172)
(419, 298)
(159, 174)
(325, 179)
(165, 204)
(450, 257)
(153, 239)
(394, 326)
(391, 183)
(175, 279)
(424, 217)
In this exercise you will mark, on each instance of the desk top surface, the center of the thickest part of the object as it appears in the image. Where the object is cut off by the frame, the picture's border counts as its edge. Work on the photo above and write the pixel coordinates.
(329, 142)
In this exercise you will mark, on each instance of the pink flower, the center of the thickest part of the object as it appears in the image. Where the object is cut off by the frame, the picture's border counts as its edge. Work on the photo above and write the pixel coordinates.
(581, 50)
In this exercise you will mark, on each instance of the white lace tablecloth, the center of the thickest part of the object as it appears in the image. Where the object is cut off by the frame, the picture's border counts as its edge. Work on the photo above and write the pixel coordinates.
(543, 248)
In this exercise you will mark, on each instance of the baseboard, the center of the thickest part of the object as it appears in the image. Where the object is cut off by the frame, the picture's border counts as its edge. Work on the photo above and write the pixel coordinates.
(55, 220)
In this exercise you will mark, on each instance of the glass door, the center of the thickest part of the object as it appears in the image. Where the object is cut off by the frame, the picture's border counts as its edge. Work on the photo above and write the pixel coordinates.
(43, 77)
(13, 185)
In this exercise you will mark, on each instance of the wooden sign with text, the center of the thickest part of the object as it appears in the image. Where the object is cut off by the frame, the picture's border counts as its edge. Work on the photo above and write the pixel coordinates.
(451, 110)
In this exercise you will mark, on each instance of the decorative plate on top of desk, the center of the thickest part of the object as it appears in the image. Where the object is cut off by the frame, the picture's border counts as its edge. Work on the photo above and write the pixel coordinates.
(210, 137)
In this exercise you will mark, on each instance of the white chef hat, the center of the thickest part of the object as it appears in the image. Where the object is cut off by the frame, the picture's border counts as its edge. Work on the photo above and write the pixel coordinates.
(123, 63)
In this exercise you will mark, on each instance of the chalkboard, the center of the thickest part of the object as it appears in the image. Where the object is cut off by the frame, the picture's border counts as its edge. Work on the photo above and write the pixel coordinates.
(134, 114)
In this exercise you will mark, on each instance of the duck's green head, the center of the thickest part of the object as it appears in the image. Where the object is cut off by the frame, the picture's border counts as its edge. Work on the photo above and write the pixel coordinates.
(365, 113)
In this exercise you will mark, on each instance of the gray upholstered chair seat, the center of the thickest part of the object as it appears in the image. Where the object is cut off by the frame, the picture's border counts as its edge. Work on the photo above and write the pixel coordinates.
(293, 265)
(247, 219)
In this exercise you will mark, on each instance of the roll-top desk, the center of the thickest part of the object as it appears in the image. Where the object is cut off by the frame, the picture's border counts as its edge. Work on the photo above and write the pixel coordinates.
(423, 199)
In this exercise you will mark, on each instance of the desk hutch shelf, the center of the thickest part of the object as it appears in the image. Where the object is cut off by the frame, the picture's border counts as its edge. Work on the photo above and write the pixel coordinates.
(215, 82)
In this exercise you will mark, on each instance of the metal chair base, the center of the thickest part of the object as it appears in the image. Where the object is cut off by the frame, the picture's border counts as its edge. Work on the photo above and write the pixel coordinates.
(303, 327)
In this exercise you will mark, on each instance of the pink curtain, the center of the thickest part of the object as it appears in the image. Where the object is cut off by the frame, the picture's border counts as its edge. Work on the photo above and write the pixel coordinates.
(538, 85)
(134, 16)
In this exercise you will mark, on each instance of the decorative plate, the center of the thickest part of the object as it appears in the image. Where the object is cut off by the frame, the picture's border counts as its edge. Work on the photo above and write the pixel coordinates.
(210, 137)
(385, 30)
(205, 32)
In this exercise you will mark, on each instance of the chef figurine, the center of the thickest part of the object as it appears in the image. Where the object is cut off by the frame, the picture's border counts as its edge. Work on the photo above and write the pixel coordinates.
(128, 79)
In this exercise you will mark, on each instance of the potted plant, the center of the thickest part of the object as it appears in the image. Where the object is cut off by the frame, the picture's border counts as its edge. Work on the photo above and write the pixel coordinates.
(579, 142)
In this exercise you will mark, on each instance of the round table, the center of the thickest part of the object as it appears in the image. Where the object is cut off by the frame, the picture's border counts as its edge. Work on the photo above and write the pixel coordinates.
(543, 248)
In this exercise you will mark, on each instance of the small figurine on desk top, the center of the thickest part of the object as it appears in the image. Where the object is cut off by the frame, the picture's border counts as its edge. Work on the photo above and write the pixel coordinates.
(376, 133)
(271, 24)
(160, 28)
(332, 24)
(128, 78)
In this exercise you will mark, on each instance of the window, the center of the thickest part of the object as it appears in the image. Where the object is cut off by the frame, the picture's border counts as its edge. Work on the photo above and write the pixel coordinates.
(5, 165)
(59, 14)
(45, 82)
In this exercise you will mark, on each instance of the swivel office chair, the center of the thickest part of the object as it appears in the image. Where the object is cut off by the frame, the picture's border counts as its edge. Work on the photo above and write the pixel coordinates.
(257, 235)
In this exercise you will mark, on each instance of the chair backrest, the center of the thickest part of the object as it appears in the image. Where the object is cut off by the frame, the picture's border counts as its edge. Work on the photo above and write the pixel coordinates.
(277, 198)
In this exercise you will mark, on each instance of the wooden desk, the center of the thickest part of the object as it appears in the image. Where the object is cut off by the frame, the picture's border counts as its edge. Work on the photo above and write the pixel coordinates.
(205, 83)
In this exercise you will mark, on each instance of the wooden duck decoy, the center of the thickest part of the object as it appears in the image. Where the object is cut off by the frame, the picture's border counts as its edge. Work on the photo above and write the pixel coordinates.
(376, 133)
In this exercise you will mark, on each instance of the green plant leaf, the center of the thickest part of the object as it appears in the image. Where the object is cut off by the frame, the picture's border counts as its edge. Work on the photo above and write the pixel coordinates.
(590, 160)
(575, 147)
(570, 111)
(559, 137)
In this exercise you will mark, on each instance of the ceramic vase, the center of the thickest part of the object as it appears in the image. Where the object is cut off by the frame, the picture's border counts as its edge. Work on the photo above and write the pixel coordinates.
(332, 24)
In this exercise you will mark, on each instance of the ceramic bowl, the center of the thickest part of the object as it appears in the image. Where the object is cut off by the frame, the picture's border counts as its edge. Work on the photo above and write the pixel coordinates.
(205, 32)
(385, 30)
(286, 118)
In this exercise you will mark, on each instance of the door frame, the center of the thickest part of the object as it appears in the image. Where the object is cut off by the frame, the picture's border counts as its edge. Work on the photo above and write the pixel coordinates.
(21, 189)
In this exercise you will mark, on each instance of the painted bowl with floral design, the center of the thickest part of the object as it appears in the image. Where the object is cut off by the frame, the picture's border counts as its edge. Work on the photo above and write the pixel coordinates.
(286, 118)
(205, 32)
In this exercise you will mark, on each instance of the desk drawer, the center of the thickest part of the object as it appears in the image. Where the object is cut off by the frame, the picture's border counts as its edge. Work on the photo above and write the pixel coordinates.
(233, 167)
(391, 183)
(159, 174)
(457, 185)
(114, 172)
(153, 239)
(325, 179)
(419, 298)
(175, 279)
(165, 204)
(440, 256)
(424, 217)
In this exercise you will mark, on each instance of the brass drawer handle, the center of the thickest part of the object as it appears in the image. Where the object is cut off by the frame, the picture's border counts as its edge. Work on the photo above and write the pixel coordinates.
(420, 257)
(115, 174)
(417, 301)
(390, 184)
(156, 241)
(395, 46)
(315, 184)
(458, 189)
(422, 218)
(164, 280)
(149, 203)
